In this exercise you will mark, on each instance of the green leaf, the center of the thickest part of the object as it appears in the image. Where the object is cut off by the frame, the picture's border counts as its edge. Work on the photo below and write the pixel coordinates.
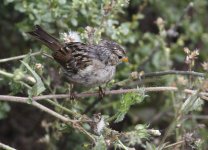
(150, 146)
(39, 87)
(4, 109)
(138, 135)
(62, 2)
(100, 144)
(126, 102)
(191, 103)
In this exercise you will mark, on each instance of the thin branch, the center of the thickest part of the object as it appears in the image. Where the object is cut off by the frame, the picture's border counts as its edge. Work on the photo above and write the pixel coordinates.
(53, 113)
(73, 123)
(19, 57)
(36, 104)
(175, 72)
(25, 78)
(112, 92)
(142, 78)
(174, 144)
(63, 108)
(6, 74)
(6, 147)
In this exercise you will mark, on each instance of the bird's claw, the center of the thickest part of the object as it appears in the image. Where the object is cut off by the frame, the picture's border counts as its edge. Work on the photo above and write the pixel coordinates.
(73, 96)
(101, 92)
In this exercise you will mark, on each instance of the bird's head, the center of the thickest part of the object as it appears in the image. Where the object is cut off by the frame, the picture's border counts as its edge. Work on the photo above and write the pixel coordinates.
(116, 53)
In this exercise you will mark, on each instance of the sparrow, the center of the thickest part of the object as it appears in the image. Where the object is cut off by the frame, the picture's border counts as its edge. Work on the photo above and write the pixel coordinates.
(87, 65)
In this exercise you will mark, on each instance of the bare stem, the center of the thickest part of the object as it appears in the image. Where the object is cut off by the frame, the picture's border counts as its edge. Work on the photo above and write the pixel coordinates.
(6, 147)
(175, 72)
(63, 108)
(174, 144)
(73, 123)
(6, 74)
(19, 57)
(26, 78)
(112, 92)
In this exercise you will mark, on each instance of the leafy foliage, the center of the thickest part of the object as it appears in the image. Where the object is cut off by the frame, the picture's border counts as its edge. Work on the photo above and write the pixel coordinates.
(154, 33)
(126, 102)
(39, 87)
(4, 109)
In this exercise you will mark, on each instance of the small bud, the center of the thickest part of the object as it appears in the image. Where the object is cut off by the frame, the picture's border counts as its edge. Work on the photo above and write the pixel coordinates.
(134, 75)
(154, 132)
(160, 22)
(39, 68)
(186, 50)
(182, 81)
(100, 125)
(71, 36)
(178, 125)
(205, 66)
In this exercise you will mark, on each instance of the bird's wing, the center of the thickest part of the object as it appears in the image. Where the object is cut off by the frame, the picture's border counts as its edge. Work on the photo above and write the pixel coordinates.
(74, 56)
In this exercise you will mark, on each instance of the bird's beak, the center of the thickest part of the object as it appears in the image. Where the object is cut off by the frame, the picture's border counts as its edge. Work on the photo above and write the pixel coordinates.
(125, 59)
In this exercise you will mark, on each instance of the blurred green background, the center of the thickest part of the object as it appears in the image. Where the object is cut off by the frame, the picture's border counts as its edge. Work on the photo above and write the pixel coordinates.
(154, 33)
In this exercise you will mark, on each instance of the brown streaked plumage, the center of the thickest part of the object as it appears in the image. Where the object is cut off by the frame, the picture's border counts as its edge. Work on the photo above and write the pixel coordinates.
(88, 65)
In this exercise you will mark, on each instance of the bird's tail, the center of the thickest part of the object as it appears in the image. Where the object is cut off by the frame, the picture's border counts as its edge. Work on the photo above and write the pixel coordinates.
(46, 38)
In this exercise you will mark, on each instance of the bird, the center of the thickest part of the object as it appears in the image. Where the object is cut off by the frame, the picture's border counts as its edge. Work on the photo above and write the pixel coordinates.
(88, 65)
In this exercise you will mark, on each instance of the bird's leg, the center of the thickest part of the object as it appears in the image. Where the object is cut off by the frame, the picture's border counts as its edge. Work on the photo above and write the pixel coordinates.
(101, 92)
(72, 93)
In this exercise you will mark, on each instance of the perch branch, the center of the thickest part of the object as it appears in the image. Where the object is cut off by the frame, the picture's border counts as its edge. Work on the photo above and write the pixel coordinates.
(112, 92)
(75, 123)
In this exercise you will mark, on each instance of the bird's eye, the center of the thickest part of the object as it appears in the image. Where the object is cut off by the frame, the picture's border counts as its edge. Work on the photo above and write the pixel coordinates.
(119, 57)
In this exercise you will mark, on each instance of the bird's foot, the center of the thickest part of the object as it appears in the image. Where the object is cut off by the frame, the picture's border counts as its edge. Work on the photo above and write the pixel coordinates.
(73, 95)
(101, 92)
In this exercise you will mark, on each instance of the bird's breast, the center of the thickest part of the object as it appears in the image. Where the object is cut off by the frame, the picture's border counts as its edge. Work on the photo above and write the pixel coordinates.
(93, 75)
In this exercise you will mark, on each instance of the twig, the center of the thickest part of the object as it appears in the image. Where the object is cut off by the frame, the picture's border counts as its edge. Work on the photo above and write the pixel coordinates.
(6, 74)
(143, 77)
(63, 108)
(200, 117)
(36, 104)
(6, 147)
(73, 123)
(175, 72)
(51, 112)
(174, 144)
(25, 78)
(19, 57)
(113, 92)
